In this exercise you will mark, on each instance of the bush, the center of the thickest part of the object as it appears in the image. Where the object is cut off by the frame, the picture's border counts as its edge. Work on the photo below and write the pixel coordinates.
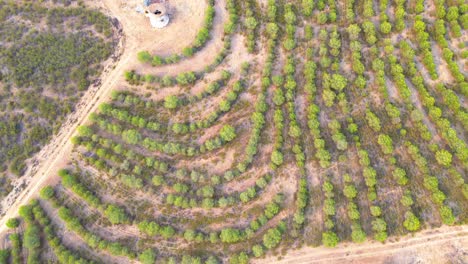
(47, 192)
(444, 158)
(227, 133)
(171, 102)
(330, 239)
(411, 222)
(147, 257)
(272, 238)
(12, 223)
(144, 56)
(386, 143)
(230, 235)
(116, 215)
(277, 158)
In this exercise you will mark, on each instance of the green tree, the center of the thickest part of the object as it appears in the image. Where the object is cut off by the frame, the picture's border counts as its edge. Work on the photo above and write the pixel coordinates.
(385, 27)
(12, 223)
(144, 56)
(190, 235)
(147, 257)
(251, 23)
(25, 211)
(115, 214)
(444, 157)
(167, 232)
(277, 158)
(47, 192)
(353, 31)
(338, 82)
(399, 175)
(271, 210)
(85, 131)
(272, 238)
(330, 239)
(230, 235)
(171, 102)
(358, 235)
(386, 143)
(373, 121)
(32, 239)
(228, 133)
(350, 191)
(257, 251)
(132, 136)
(411, 222)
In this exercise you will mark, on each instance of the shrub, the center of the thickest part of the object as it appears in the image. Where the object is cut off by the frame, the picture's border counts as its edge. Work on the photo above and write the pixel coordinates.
(144, 56)
(272, 238)
(12, 223)
(411, 222)
(444, 158)
(228, 133)
(171, 102)
(47, 192)
(386, 143)
(230, 235)
(116, 215)
(277, 158)
(330, 239)
(148, 256)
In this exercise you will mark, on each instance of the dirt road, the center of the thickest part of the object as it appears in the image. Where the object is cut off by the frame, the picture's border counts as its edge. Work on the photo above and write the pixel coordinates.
(430, 246)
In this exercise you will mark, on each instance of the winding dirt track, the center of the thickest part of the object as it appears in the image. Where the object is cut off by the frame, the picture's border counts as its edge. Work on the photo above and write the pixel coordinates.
(425, 243)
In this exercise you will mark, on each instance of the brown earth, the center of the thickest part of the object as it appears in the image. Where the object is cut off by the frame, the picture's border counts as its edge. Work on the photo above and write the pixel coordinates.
(443, 245)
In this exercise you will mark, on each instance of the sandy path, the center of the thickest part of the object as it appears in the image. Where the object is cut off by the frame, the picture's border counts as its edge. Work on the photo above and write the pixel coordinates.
(430, 240)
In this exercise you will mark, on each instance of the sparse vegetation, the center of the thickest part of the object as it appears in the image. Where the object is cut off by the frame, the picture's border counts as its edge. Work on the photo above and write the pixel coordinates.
(346, 124)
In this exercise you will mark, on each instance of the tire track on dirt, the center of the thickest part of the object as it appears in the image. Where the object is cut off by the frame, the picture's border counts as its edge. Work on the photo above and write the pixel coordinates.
(349, 252)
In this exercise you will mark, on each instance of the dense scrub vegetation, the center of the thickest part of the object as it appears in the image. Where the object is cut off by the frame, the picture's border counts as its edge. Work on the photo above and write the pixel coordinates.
(347, 123)
(45, 70)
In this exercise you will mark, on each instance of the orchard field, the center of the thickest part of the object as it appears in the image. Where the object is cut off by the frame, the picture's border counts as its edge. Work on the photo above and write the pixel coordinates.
(280, 125)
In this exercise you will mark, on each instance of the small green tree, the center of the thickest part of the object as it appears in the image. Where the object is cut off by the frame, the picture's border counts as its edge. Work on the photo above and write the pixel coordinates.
(411, 222)
(131, 136)
(171, 102)
(338, 82)
(144, 56)
(277, 158)
(257, 251)
(148, 256)
(330, 239)
(228, 133)
(115, 214)
(230, 235)
(386, 27)
(386, 143)
(251, 23)
(167, 232)
(272, 238)
(350, 191)
(190, 235)
(47, 192)
(32, 239)
(12, 223)
(444, 157)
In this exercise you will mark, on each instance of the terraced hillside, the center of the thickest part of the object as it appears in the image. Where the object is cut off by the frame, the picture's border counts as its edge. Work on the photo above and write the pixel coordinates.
(280, 124)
